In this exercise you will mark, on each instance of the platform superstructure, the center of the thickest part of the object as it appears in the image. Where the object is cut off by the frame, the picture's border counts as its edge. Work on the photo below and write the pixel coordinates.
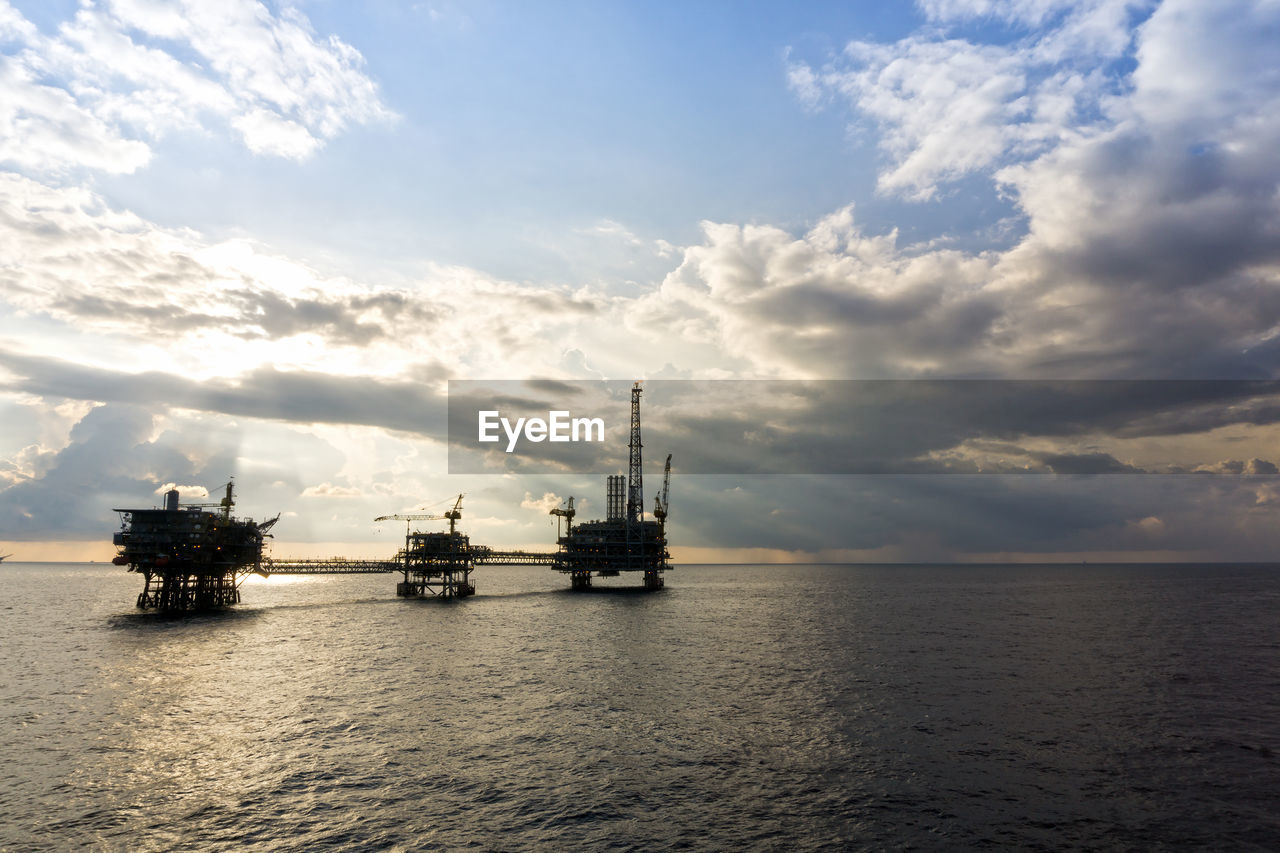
(435, 564)
(193, 556)
(624, 541)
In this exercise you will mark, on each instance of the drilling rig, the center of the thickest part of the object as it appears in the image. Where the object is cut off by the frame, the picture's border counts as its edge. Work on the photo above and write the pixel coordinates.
(190, 556)
(435, 565)
(624, 541)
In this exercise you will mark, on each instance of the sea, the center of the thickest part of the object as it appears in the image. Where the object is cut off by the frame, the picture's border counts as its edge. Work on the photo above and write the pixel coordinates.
(743, 707)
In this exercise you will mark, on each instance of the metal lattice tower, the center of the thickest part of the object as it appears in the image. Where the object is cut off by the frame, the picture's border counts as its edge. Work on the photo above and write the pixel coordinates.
(635, 478)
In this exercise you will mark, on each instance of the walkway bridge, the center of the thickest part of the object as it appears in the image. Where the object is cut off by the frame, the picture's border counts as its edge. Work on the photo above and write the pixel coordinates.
(330, 566)
(484, 556)
(480, 556)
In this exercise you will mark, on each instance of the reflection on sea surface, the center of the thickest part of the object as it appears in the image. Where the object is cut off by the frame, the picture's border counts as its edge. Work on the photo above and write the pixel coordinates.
(797, 707)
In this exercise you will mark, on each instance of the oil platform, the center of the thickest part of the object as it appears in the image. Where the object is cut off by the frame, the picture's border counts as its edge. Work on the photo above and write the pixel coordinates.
(624, 541)
(435, 564)
(192, 557)
(439, 564)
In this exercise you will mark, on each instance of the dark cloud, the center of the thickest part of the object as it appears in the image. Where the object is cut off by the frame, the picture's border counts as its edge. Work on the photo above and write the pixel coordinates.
(930, 518)
(158, 317)
(111, 461)
(1163, 260)
(563, 390)
(352, 319)
(265, 392)
(1085, 463)
(342, 319)
(855, 426)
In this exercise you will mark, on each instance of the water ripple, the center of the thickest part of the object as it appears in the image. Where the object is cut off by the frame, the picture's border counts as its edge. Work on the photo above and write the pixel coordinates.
(754, 708)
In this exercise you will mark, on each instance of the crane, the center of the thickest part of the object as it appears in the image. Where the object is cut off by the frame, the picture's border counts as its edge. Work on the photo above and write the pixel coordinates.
(567, 513)
(453, 516)
(660, 502)
(225, 504)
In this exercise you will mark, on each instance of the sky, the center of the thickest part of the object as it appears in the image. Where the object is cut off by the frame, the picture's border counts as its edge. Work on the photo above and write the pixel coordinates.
(257, 240)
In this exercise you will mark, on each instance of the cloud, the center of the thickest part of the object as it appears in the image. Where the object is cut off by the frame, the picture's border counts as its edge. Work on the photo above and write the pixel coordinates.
(171, 294)
(932, 518)
(264, 392)
(29, 463)
(1084, 463)
(1251, 467)
(945, 109)
(328, 490)
(544, 504)
(111, 458)
(1147, 225)
(948, 107)
(43, 128)
(835, 301)
(610, 229)
(265, 133)
(119, 76)
(882, 426)
(183, 491)
(1137, 144)
(1150, 526)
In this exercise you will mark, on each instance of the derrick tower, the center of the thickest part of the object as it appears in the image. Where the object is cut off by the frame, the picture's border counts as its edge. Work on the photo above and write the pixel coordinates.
(635, 472)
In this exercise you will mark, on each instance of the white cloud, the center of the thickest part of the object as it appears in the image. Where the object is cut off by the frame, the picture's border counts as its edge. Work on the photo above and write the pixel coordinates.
(948, 107)
(1149, 526)
(1147, 198)
(44, 128)
(184, 492)
(116, 77)
(1028, 12)
(139, 295)
(14, 27)
(610, 229)
(1208, 65)
(1148, 250)
(266, 133)
(805, 83)
(945, 109)
(275, 61)
(329, 490)
(544, 504)
(835, 302)
(31, 462)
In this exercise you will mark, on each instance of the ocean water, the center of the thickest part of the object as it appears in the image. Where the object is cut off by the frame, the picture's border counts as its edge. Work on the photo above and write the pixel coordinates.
(743, 707)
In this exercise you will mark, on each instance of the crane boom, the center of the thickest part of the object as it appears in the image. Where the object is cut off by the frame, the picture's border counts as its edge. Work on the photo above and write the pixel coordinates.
(660, 502)
(452, 516)
(567, 513)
